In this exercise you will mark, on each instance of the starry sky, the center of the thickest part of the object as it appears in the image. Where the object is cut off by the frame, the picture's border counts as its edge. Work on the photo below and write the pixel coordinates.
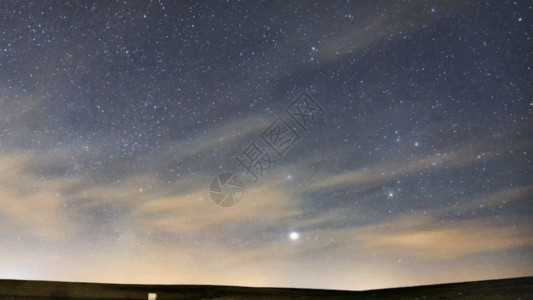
(116, 115)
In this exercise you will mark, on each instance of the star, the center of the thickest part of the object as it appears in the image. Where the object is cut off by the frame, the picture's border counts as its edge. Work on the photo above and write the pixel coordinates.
(294, 236)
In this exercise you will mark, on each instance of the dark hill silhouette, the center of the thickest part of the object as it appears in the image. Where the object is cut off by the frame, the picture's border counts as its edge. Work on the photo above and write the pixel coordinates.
(515, 288)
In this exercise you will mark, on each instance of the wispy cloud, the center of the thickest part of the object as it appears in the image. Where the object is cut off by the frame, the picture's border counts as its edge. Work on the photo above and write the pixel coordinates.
(427, 238)
(30, 204)
(396, 169)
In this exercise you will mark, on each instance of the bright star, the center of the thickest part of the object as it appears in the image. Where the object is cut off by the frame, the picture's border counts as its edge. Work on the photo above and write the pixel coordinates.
(294, 236)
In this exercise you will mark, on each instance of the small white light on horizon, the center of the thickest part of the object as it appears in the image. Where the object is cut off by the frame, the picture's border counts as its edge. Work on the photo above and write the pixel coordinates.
(152, 296)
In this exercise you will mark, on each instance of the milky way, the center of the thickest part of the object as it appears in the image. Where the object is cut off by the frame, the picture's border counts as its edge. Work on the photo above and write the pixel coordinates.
(416, 168)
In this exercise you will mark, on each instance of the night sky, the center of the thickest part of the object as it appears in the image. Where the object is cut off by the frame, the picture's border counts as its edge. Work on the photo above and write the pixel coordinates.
(116, 115)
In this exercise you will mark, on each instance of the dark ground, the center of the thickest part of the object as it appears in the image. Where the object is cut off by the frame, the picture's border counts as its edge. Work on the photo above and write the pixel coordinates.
(516, 288)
